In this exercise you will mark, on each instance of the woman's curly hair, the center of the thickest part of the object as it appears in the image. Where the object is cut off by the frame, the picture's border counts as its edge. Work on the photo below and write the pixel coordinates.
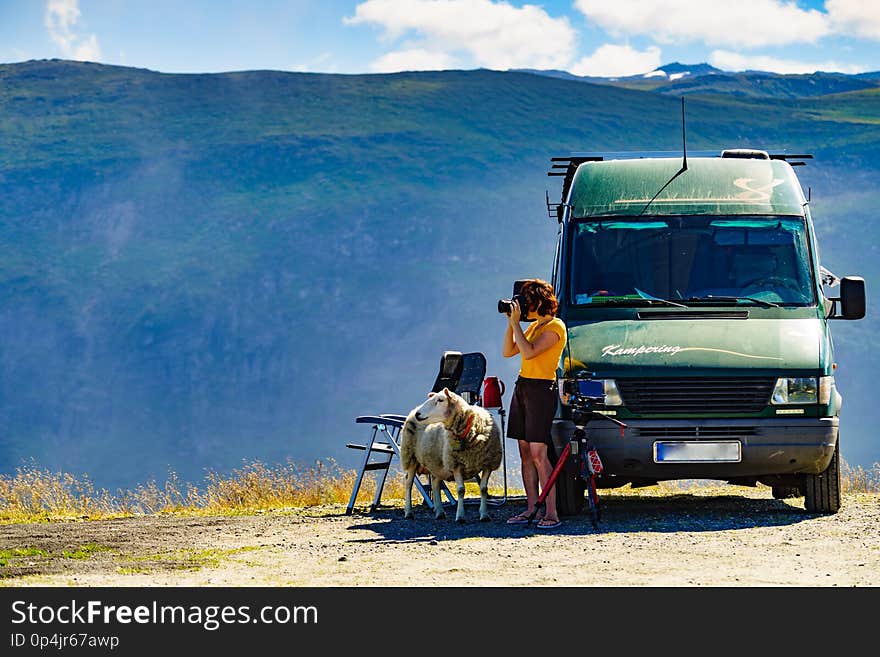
(539, 294)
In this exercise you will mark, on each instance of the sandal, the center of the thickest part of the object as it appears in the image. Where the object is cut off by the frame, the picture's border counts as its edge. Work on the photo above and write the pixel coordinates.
(544, 523)
(519, 519)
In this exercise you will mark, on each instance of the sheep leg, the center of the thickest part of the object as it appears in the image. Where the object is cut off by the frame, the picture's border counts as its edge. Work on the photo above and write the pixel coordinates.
(459, 491)
(408, 484)
(484, 495)
(438, 502)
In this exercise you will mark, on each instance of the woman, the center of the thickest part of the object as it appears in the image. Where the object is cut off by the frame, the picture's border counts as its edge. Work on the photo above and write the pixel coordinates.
(534, 397)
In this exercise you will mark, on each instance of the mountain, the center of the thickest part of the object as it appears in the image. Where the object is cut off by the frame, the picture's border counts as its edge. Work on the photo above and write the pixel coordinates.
(197, 270)
(757, 84)
(874, 76)
(679, 79)
(676, 71)
(561, 75)
(649, 80)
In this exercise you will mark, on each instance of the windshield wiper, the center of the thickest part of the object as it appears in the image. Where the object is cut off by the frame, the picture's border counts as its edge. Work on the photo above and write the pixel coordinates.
(668, 302)
(635, 301)
(651, 297)
(712, 297)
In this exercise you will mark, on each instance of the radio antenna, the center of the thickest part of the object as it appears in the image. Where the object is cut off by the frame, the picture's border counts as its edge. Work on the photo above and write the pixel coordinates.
(684, 147)
(684, 162)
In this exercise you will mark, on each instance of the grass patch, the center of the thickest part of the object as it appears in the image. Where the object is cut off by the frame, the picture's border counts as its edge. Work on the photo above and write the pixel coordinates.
(858, 479)
(16, 553)
(187, 559)
(134, 570)
(84, 551)
(36, 495)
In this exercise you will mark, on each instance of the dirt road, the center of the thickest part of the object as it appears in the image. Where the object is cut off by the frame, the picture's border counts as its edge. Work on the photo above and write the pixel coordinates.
(740, 538)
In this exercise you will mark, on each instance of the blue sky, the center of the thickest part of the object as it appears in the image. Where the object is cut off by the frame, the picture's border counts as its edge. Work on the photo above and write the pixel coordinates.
(585, 37)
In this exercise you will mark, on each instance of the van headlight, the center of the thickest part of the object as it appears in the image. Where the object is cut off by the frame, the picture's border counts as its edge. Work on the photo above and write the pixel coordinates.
(604, 389)
(798, 390)
(612, 394)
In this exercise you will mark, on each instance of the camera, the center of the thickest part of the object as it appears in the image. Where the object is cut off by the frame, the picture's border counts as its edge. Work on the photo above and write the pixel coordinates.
(504, 304)
(582, 394)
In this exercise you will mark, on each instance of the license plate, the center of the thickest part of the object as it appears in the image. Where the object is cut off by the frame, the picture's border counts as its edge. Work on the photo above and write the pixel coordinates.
(680, 451)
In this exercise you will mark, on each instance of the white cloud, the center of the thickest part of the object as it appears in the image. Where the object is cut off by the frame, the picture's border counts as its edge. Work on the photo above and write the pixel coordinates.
(87, 50)
(323, 62)
(733, 61)
(60, 20)
(413, 59)
(614, 61)
(855, 17)
(736, 23)
(490, 34)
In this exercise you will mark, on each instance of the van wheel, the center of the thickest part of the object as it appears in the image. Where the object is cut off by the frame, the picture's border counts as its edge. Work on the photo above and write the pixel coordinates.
(786, 492)
(822, 491)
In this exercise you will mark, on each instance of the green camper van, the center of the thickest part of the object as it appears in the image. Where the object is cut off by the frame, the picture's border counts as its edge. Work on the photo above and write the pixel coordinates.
(699, 315)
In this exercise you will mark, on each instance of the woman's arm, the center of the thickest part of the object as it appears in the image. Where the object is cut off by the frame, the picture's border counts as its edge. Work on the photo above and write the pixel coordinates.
(531, 349)
(520, 344)
(509, 349)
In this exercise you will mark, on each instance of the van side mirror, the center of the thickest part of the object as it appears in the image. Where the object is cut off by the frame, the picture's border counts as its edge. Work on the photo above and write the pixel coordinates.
(852, 298)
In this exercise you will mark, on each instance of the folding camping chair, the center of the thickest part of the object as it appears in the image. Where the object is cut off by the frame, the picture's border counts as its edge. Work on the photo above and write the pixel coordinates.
(461, 373)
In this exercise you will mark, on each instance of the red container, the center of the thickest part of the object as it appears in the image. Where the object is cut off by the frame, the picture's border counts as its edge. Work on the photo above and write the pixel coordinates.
(493, 389)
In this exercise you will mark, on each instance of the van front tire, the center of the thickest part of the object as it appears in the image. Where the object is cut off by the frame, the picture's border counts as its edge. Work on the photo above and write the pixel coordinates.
(822, 491)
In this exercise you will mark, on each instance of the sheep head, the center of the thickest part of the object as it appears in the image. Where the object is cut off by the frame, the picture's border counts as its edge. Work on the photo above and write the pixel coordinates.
(439, 407)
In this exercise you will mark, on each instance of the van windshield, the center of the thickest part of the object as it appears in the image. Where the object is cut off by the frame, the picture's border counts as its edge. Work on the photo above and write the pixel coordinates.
(691, 259)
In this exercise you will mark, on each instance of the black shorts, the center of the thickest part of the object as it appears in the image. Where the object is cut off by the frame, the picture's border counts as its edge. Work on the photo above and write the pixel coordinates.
(532, 410)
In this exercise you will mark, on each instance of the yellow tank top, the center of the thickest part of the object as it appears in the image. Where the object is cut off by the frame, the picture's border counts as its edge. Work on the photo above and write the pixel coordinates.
(543, 366)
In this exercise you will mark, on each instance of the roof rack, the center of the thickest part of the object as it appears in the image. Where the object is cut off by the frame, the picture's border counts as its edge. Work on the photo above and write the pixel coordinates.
(751, 153)
(566, 166)
(745, 154)
(786, 157)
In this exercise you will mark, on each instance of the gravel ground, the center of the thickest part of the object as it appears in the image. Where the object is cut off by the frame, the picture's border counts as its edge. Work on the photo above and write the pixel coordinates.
(740, 537)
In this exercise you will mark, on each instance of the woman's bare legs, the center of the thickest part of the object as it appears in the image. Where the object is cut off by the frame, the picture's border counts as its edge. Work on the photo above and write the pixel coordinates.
(541, 464)
(529, 475)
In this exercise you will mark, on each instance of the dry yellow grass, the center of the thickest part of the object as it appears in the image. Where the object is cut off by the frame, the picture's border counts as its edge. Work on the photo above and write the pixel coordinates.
(34, 494)
(38, 495)
(858, 480)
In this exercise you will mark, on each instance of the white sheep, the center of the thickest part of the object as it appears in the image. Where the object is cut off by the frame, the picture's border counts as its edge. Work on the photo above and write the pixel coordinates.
(450, 439)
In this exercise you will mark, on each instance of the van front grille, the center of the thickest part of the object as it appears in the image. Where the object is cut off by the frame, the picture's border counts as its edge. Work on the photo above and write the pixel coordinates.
(697, 432)
(696, 394)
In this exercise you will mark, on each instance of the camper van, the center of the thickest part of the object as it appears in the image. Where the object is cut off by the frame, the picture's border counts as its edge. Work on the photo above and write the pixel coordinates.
(699, 315)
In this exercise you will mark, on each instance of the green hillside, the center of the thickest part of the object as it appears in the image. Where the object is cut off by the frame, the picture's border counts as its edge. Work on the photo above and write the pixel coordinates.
(200, 269)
